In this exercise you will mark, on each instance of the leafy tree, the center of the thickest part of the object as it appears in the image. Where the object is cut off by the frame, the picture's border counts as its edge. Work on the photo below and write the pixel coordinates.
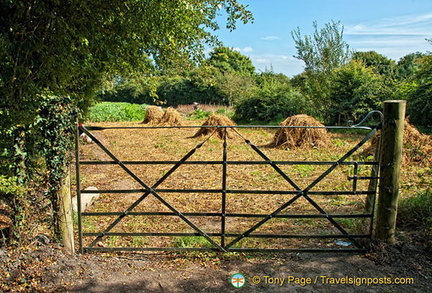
(322, 53)
(233, 87)
(228, 60)
(379, 63)
(409, 65)
(355, 91)
(54, 48)
(70, 48)
(325, 50)
(420, 99)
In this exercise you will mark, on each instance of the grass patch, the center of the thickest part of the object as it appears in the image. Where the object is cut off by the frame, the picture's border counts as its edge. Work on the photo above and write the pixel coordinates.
(115, 112)
(192, 241)
(416, 212)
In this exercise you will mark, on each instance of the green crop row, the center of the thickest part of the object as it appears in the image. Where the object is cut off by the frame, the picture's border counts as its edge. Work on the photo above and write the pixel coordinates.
(114, 112)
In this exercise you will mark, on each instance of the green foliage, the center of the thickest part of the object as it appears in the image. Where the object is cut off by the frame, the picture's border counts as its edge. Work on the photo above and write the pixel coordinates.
(408, 66)
(136, 90)
(9, 186)
(72, 48)
(416, 211)
(199, 114)
(55, 128)
(322, 53)
(228, 60)
(175, 90)
(113, 112)
(379, 63)
(419, 105)
(13, 194)
(270, 103)
(325, 50)
(355, 91)
(233, 87)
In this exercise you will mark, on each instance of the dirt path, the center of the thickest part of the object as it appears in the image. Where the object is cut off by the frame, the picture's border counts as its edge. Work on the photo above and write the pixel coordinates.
(49, 269)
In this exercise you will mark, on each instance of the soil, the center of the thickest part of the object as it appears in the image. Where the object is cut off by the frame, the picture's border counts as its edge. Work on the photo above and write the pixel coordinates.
(48, 268)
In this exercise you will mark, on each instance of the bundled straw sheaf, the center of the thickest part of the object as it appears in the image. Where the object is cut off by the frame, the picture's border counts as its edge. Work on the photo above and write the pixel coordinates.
(153, 115)
(417, 147)
(304, 136)
(171, 118)
(216, 120)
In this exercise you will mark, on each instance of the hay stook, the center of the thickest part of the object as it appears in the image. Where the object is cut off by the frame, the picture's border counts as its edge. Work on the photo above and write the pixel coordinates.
(302, 136)
(153, 115)
(171, 118)
(216, 120)
(417, 147)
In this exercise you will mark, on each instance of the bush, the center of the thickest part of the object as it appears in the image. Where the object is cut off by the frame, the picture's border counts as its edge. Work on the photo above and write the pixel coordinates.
(12, 207)
(199, 114)
(270, 106)
(114, 112)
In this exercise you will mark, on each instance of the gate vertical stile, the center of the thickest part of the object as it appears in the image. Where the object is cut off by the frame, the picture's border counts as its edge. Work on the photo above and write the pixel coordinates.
(78, 186)
(224, 187)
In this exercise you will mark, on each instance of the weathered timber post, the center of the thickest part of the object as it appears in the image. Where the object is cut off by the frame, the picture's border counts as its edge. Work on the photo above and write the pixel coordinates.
(390, 164)
(66, 218)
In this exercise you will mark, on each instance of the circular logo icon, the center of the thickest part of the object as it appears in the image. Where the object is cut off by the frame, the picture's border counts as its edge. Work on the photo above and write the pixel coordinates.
(238, 280)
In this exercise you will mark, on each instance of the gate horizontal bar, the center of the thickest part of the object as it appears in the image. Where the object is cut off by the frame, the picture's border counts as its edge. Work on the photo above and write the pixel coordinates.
(282, 216)
(372, 163)
(172, 234)
(233, 191)
(267, 250)
(231, 126)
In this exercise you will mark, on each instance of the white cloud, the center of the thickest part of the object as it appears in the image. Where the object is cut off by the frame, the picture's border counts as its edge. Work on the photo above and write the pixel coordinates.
(392, 37)
(244, 50)
(270, 38)
(260, 60)
(403, 25)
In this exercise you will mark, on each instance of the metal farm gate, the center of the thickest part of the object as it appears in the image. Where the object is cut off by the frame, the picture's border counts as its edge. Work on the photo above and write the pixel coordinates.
(286, 209)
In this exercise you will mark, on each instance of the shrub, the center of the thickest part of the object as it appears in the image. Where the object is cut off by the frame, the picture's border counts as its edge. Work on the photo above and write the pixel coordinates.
(270, 105)
(114, 112)
(199, 114)
(12, 197)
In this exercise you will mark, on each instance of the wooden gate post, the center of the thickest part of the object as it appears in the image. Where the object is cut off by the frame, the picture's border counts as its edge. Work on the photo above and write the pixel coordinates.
(390, 162)
(66, 215)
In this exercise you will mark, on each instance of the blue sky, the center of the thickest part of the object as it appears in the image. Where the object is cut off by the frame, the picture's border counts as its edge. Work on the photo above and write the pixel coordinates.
(392, 28)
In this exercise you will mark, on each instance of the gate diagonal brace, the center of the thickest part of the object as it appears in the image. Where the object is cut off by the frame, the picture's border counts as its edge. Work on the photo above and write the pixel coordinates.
(150, 190)
(302, 192)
